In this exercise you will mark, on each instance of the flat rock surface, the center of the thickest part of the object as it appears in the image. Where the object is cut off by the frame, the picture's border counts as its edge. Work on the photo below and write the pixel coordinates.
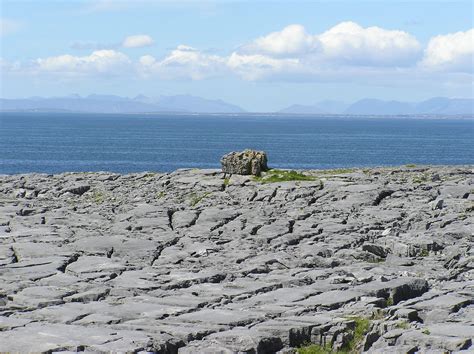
(190, 262)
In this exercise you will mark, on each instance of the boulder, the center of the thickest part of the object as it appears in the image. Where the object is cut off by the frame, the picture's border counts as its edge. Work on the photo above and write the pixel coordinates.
(247, 162)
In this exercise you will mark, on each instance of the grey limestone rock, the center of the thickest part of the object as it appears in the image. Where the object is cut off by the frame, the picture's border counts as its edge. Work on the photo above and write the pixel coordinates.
(186, 262)
(247, 162)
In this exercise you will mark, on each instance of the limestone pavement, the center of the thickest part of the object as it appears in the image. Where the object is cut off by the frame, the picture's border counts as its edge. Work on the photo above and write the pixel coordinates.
(189, 262)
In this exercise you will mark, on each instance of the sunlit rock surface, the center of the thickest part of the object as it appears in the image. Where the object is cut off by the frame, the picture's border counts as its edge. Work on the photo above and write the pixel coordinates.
(189, 262)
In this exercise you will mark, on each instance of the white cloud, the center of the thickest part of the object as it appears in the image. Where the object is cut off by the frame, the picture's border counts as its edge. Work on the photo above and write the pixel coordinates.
(257, 66)
(352, 44)
(184, 62)
(451, 52)
(346, 43)
(344, 52)
(8, 26)
(99, 62)
(292, 40)
(137, 41)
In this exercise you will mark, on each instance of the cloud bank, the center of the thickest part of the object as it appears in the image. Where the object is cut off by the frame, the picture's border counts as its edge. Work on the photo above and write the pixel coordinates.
(342, 52)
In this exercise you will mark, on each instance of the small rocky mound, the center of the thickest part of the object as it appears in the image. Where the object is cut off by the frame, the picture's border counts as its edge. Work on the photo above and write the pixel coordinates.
(247, 162)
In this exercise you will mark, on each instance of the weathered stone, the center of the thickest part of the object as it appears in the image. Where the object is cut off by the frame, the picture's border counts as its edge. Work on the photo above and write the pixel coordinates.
(248, 162)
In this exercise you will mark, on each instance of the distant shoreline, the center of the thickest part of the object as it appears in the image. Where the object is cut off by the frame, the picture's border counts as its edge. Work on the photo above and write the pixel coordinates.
(252, 114)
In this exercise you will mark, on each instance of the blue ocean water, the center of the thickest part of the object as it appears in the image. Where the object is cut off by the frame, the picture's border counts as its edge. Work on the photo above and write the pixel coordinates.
(59, 142)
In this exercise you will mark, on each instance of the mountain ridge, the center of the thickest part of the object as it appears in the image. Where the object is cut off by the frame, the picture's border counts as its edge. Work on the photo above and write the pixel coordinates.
(116, 104)
(97, 103)
(372, 106)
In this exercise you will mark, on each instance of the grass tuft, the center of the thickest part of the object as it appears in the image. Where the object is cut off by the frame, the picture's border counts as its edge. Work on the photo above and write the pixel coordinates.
(274, 176)
(421, 178)
(362, 326)
(196, 199)
(314, 349)
(337, 171)
(97, 197)
(403, 325)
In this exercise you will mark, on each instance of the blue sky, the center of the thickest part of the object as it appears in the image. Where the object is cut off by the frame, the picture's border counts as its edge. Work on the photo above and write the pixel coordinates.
(261, 55)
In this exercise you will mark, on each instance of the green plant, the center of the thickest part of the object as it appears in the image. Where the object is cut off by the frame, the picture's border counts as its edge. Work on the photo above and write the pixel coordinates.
(226, 181)
(420, 178)
(160, 195)
(314, 349)
(403, 325)
(362, 326)
(389, 302)
(337, 171)
(426, 331)
(196, 199)
(274, 176)
(424, 253)
(410, 165)
(149, 175)
(97, 197)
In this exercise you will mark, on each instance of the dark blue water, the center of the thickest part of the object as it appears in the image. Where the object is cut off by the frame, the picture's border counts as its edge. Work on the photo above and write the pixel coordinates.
(52, 143)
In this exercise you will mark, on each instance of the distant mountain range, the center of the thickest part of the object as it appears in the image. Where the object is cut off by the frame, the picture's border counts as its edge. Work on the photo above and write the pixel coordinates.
(194, 104)
(117, 104)
(437, 105)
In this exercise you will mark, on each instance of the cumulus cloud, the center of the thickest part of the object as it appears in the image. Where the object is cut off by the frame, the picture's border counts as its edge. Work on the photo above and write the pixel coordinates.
(344, 52)
(346, 43)
(137, 41)
(352, 44)
(8, 26)
(257, 66)
(184, 62)
(292, 40)
(99, 62)
(452, 52)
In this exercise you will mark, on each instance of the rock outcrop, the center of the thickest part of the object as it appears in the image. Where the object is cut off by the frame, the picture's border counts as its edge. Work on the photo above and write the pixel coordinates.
(247, 162)
(363, 260)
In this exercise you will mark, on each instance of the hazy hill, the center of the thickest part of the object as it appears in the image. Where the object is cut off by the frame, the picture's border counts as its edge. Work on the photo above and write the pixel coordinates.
(117, 104)
(368, 106)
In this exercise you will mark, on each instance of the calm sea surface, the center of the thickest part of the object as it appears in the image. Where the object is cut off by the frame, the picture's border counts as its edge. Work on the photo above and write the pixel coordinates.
(52, 143)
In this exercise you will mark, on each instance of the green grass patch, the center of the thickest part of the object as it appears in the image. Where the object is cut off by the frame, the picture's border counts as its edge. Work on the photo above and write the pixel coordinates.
(274, 176)
(314, 349)
(226, 181)
(362, 326)
(160, 195)
(403, 325)
(97, 197)
(420, 178)
(196, 198)
(411, 165)
(149, 175)
(424, 253)
(337, 171)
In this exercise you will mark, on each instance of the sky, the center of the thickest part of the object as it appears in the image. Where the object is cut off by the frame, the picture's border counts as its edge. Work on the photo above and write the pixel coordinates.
(260, 55)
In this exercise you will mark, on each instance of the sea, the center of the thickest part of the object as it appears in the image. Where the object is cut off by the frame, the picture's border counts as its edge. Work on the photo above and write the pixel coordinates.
(59, 142)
